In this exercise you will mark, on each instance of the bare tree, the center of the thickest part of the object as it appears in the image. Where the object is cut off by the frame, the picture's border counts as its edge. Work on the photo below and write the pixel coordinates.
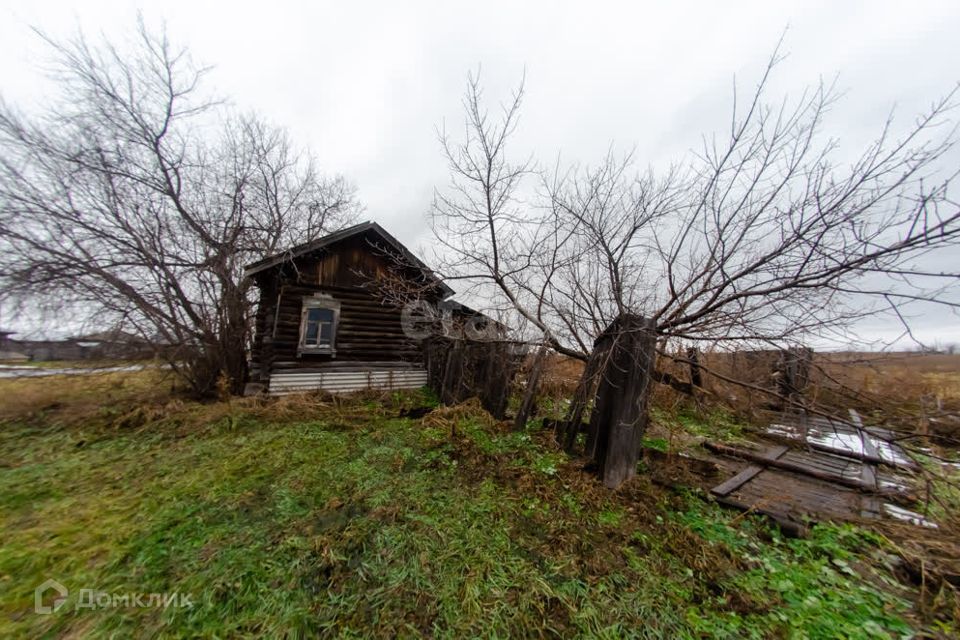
(137, 198)
(760, 237)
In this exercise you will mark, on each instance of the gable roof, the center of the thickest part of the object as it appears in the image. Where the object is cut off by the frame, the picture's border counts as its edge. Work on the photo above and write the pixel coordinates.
(337, 236)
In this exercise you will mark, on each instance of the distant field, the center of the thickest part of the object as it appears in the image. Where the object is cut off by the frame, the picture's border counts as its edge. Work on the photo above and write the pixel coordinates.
(306, 517)
(906, 376)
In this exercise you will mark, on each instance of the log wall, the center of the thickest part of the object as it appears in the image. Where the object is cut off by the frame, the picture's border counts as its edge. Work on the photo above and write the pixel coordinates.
(369, 330)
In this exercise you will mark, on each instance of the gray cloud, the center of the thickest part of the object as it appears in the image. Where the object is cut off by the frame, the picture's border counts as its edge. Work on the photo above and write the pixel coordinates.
(365, 84)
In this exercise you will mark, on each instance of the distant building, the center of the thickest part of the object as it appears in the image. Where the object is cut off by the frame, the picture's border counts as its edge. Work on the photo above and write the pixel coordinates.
(105, 345)
(8, 350)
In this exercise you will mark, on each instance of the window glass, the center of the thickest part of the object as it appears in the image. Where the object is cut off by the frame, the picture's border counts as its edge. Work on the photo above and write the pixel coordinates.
(318, 330)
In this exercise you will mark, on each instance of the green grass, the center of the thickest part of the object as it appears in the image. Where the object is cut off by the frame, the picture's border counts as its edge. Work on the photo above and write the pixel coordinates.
(345, 525)
(716, 424)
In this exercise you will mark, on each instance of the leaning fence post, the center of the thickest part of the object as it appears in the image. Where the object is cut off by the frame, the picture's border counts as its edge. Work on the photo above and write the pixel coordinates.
(450, 373)
(530, 394)
(619, 417)
(585, 388)
(696, 377)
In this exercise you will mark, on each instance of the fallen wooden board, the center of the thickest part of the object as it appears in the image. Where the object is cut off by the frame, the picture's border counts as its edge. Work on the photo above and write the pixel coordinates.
(787, 524)
(830, 478)
(870, 506)
(855, 426)
(802, 497)
(745, 476)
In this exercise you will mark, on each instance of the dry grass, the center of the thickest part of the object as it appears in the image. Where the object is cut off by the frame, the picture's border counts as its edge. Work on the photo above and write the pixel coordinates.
(81, 397)
(560, 376)
(152, 398)
(912, 392)
(447, 418)
(900, 377)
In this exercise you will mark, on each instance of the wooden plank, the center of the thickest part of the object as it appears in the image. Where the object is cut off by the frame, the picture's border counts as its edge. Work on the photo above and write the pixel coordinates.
(795, 468)
(870, 506)
(788, 525)
(747, 474)
(852, 429)
(853, 455)
(620, 416)
(799, 496)
(585, 387)
(530, 394)
(822, 461)
(869, 449)
(868, 475)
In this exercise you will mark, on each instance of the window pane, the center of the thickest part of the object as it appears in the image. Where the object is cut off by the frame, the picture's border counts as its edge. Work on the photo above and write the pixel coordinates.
(318, 330)
(311, 335)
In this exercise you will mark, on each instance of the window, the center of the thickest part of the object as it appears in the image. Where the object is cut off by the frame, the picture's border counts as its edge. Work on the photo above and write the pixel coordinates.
(318, 325)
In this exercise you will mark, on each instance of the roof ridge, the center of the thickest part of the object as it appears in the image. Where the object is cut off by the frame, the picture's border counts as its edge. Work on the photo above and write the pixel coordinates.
(316, 244)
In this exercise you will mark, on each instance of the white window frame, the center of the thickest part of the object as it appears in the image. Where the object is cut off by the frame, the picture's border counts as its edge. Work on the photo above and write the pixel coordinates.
(319, 301)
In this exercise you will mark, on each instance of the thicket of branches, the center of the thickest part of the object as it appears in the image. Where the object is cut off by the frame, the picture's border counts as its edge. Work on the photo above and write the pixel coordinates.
(136, 198)
(760, 237)
(763, 237)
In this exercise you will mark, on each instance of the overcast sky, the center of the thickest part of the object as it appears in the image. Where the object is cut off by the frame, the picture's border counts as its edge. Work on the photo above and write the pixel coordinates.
(365, 85)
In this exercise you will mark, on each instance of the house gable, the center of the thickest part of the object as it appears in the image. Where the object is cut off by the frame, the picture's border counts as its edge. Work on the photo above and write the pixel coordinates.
(368, 337)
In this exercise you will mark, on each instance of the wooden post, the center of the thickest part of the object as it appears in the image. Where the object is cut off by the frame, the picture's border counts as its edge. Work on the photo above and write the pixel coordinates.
(451, 375)
(696, 377)
(619, 417)
(493, 377)
(585, 389)
(793, 369)
(530, 394)
(458, 369)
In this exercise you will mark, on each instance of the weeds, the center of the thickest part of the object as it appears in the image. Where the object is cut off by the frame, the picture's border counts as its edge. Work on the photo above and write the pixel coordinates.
(315, 516)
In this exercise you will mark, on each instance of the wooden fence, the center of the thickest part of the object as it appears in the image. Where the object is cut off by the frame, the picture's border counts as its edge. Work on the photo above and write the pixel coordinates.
(458, 369)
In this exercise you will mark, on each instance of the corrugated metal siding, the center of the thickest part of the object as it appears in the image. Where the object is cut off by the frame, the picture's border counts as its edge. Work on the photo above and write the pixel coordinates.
(344, 381)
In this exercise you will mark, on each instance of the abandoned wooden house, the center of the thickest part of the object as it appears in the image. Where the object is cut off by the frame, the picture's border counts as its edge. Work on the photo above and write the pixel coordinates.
(330, 314)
